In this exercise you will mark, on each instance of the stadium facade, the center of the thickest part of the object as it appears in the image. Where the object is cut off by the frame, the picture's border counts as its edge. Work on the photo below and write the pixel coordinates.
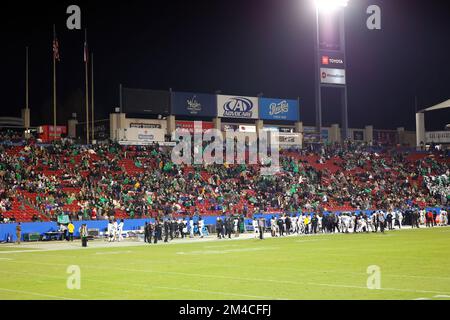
(147, 116)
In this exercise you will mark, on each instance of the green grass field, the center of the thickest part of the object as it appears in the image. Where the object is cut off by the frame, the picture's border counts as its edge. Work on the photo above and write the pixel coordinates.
(414, 264)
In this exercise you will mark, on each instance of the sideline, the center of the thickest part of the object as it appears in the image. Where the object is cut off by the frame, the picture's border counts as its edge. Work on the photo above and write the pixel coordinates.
(101, 244)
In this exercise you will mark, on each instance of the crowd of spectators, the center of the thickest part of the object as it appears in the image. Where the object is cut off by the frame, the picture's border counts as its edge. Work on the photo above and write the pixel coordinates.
(101, 181)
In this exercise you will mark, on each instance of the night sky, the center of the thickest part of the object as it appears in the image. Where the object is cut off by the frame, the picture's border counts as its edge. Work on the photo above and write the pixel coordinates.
(241, 47)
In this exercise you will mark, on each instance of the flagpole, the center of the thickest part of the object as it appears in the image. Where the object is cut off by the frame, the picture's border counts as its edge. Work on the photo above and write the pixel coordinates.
(87, 84)
(27, 83)
(26, 116)
(92, 94)
(54, 86)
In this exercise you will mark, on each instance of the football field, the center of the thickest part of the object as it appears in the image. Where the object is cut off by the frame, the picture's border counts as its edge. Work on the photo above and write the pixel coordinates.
(407, 264)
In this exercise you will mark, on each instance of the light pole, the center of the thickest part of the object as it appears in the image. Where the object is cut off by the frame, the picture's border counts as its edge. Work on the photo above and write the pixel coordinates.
(331, 72)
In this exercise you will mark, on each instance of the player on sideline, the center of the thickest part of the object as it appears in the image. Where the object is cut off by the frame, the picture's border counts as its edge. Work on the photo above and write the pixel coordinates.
(255, 227)
(115, 230)
(120, 229)
(201, 225)
(191, 228)
(444, 217)
(110, 231)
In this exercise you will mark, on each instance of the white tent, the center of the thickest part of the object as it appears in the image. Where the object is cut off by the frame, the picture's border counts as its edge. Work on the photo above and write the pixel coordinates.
(420, 120)
(443, 105)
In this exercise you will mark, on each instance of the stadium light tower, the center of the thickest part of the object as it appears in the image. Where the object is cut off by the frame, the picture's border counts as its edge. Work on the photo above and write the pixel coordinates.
(331, 62)
(328, 5)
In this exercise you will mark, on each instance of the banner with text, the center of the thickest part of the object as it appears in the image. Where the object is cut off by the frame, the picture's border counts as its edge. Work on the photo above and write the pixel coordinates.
(278, 109)
(237, 107)
(194, 104)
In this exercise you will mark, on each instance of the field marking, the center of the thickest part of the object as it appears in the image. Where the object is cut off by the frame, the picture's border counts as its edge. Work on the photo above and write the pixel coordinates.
(112, 252)
(35, 294)
(385, 289)
(138, 285)
(225, 246)
(237, 279)
(250, 279)
(261, 267)
(442, 297)
(22, 251)
(198, 252)
(6, 259)
(314, 240)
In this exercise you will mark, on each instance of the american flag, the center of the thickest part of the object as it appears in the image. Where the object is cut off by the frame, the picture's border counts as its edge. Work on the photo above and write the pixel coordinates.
(86, 49)
(56, 49)
(86, 52)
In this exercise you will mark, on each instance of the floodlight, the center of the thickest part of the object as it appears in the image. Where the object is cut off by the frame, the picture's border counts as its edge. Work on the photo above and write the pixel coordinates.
(329, 5)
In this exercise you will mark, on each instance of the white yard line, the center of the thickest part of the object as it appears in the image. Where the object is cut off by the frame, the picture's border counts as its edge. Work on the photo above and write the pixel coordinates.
(144, 287)
(35, 294)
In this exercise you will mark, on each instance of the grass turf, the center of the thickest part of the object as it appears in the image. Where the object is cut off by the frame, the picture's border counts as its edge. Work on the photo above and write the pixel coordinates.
(414, 264)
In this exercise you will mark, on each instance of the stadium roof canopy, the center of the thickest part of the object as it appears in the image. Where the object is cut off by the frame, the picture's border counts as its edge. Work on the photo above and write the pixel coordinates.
(443, 105)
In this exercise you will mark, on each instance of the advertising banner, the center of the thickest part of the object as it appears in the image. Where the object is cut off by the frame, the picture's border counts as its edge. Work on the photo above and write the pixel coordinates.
(278, 109)
(142, 101)
(194, 104)
(141, 136)
(290, 139)
(310, 135)
(189, 125)
(237, 107)
(228, 127)
(333, 60)
(251, 129)
(47, 134)
(332, 76)
(145, 125)
(438, 137)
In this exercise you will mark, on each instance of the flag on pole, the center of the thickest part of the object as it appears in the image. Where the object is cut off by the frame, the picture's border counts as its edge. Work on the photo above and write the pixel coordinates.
(86, 49)
(55, 47)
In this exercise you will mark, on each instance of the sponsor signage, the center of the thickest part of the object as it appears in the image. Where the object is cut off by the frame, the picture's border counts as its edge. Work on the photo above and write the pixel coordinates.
(237, 107)
(278, 109)
(250, 129)
(332, 60)
(332, 76)
(146, 125)
(230, 127)
(194, 104)
(310, 135)
(279, 129)
(47, 133)
(238, 128)
(142, 136)
(290, 139)
(190, 125)
(438, 137)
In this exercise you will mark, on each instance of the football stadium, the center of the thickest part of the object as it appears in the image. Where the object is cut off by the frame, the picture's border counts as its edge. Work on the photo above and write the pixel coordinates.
(133, 184)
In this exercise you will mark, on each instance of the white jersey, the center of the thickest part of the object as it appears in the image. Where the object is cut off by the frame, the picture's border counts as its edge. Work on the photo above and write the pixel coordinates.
(346, 221)
(120, 227)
